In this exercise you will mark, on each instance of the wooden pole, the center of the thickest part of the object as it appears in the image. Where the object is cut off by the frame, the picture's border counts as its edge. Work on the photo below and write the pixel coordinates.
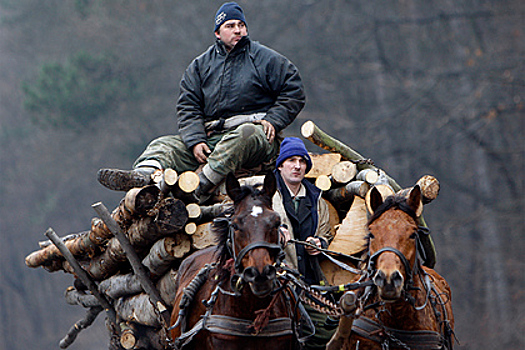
(84, 277)
(135, 262)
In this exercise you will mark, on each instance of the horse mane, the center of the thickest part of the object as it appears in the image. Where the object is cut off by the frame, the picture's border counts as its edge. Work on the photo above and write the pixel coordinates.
(221, 226)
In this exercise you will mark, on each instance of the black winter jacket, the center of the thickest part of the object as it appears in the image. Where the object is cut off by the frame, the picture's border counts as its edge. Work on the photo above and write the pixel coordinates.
(251, 78)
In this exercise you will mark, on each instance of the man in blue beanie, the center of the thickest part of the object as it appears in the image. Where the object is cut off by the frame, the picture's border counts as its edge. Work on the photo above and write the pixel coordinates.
(234, 100)
(305, 217)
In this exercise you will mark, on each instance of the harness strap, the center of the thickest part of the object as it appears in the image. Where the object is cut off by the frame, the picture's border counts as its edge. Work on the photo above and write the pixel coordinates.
(421, 340)
(228, 325)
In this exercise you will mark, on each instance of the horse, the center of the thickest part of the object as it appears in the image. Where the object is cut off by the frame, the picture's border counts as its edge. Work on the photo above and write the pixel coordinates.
(230, 296)
(405, 305)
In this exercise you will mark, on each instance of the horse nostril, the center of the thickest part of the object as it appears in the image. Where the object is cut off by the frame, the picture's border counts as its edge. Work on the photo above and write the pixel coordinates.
(269, 272)
(379, 279)
(250, 274)
(397, 279)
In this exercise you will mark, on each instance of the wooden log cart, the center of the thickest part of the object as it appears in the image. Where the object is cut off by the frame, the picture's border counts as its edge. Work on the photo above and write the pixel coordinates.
(126, 263)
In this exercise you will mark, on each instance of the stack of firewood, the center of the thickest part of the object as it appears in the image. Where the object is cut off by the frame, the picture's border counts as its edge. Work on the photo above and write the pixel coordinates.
(162, 230)
(162, 224)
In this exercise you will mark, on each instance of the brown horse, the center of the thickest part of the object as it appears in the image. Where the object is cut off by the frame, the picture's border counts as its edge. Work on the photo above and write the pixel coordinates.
(408, 306)
(230, 296)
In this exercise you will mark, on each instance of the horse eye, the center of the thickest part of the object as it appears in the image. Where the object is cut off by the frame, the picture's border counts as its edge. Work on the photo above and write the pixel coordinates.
(413, 235)
(371, 236)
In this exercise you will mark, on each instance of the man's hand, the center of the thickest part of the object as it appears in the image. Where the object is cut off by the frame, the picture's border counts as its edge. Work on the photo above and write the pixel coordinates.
(269, 129)
(315, 241)
(284, 235)
(201, 151)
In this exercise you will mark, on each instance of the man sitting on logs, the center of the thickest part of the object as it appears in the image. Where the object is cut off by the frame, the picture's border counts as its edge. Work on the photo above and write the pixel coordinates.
(234, 100)
(304, 216)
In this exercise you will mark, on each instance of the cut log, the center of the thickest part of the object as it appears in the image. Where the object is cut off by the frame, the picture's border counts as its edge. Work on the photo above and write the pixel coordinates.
(322, 164)
(136, 264)
(311, 132)
(128, 337)
(208, 213)
(188, 181)
(167, 287)
(333, 215)
(204, 237)
(350, 239)
(164, 252)
(86, 243)
(343, 172)
(75, 297)
(118, 286)
(138, 308)
(429, 188)
(141, 199)
(323, 182)
(194, 211)
(370, 176)
(344, 194)
(190, 228)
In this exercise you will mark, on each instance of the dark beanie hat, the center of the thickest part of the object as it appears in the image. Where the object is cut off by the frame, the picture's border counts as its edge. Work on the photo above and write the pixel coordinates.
(293, 146)
(229, 10)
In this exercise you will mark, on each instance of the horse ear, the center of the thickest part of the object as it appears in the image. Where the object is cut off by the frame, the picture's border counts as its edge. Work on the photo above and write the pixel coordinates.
(414, 200)
(373, 200)
(233, 187)
(270, 185)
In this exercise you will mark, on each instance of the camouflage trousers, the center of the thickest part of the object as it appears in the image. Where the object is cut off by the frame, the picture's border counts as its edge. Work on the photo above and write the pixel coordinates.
(244, 147)
(323, 330)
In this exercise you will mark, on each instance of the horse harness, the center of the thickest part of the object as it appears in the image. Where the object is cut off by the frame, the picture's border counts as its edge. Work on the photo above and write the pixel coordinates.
(232, 326)
(390, 337)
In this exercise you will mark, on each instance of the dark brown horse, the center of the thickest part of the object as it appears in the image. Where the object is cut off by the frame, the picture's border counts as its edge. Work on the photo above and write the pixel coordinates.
(408, 306)
(229, 296)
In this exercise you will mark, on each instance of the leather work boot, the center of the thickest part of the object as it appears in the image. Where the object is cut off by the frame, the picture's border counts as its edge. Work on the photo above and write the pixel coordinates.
(204, 191)
(125, 180)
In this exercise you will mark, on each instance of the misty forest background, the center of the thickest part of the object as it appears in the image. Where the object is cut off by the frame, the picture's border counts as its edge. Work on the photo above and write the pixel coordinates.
(421, 87)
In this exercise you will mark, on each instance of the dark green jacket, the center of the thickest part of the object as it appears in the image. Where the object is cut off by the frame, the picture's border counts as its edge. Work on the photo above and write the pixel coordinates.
(251, 78)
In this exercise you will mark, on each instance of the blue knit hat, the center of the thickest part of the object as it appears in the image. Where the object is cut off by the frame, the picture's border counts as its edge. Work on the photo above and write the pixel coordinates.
(293, 146)
(228, 10)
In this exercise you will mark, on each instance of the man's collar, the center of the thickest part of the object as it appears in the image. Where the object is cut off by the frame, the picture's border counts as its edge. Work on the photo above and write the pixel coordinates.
(301, 193)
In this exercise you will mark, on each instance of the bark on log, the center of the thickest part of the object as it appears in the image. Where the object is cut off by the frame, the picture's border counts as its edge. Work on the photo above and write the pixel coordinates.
(167, 287)
(311, 132)
(136, 264)
(344, 194)
(86, 243)
(369, 175)
(164, 252)
(343, 172)
(322, 164)
(139, 309)
(118, 286)
(75, 297)
(204, 237)
(208, 213)
(429, 188)
(83, 276)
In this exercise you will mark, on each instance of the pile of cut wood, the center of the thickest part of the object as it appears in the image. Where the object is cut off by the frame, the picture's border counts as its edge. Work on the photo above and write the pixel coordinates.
(126, 263)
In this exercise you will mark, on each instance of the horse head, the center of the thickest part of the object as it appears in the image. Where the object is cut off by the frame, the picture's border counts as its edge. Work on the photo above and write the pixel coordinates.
(253, 237)
(393, 242)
